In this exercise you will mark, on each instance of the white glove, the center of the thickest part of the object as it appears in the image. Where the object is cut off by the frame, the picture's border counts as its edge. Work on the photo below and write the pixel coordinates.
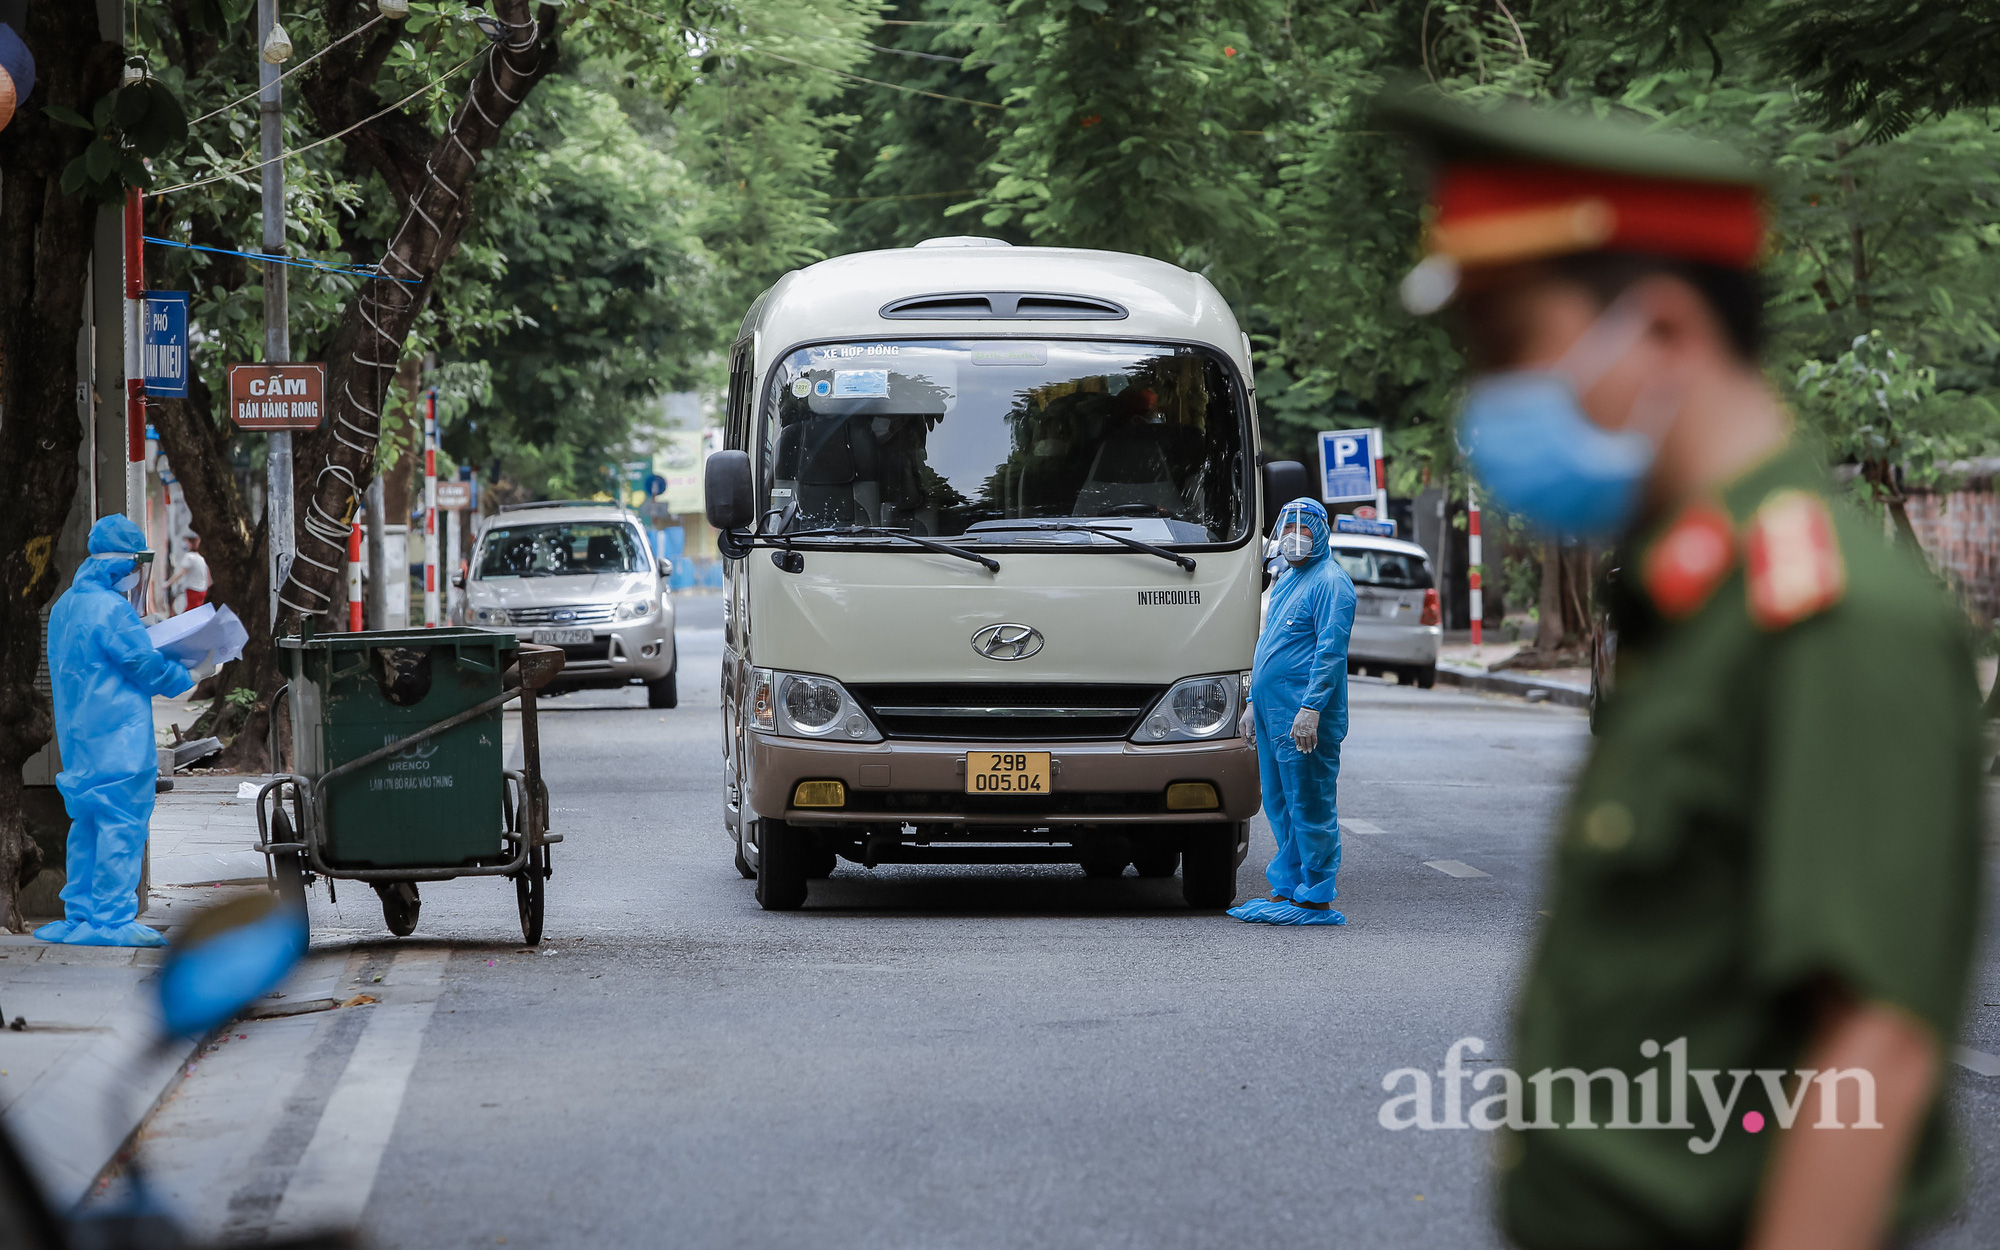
(1247, 725)
(1305, 729)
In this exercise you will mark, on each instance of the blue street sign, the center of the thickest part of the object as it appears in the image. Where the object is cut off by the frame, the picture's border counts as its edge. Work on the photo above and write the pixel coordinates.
(163, 343)
(1346, 465)
(1345, 524)
(656, 485)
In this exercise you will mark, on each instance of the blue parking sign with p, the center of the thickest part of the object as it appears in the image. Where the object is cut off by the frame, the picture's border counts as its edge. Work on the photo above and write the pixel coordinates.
(1346, 465)
(163, 343)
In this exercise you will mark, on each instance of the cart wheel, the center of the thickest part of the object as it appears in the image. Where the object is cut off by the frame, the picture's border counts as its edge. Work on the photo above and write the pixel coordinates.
(528, 890)
(400, 906)
(287, 866)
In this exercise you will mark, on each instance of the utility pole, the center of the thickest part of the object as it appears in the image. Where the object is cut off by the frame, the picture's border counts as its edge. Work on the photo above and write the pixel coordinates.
(277, 325)
(378, 566)
(1475, 561)
(430, 509)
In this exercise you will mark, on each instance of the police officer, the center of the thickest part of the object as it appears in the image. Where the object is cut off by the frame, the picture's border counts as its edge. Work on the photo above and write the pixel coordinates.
(1769, 870)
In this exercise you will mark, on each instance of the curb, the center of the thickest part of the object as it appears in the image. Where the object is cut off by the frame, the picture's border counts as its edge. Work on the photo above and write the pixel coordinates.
(1560, 693)
(61, 1125)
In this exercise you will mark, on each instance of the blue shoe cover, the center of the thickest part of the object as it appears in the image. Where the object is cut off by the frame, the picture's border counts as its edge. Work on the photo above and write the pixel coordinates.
(130, 934)
(1289, 913)
(1256, 910)
(57, 931)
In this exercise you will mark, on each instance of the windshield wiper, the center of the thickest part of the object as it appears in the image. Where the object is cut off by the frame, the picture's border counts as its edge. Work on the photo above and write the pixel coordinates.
(876, 531)
(1186, 562)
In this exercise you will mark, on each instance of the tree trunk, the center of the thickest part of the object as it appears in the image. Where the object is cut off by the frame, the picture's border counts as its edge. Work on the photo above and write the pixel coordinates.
(234, 544)
(1576, 595)
(45, 244)
(432, 178)
(1549, 628)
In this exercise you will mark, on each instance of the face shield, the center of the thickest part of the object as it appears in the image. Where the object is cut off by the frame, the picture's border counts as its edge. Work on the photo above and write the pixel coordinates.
(1294, 532)
(133, 584)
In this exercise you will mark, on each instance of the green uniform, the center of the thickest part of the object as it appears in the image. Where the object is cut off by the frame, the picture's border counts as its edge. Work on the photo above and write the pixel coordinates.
(1785, 795)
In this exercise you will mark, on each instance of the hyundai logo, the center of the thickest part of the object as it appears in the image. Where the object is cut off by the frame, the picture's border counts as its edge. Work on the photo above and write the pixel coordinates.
(1007, 642)
(564, 614)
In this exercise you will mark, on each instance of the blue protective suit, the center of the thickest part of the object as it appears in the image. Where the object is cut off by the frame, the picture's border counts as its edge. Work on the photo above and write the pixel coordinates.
(104, 672)
(1302, 663)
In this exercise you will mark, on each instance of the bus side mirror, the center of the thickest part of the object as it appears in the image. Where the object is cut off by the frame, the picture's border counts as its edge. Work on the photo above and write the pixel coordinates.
(726, 483)
(1284, 481)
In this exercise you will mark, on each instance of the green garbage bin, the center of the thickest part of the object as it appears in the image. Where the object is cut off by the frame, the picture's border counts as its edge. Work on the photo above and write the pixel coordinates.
(436, 804)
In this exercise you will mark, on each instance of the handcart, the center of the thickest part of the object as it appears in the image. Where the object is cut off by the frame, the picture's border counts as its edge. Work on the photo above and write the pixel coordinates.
(399, 767)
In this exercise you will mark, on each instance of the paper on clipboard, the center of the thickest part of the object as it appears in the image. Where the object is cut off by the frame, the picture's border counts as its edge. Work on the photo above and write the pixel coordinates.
(203, 637)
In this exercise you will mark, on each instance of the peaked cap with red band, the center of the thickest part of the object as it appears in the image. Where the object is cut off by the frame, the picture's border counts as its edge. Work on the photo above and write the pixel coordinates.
(1519, 183)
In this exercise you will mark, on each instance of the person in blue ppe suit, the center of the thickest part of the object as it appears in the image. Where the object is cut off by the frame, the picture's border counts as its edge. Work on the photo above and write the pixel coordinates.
(1297, 717)
(104, 672)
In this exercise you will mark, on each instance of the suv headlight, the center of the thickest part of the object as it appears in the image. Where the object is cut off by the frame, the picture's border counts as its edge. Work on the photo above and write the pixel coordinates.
(490, 616)
(637, 608)
(799, 705)
(1199, 709)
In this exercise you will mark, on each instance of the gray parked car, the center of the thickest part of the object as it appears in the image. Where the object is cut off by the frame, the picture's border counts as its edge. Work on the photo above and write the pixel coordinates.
(1396, 627)
(581, 576)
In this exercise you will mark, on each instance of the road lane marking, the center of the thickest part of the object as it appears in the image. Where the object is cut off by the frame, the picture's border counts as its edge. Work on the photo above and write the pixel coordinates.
(1360, 826)
(1976, 1060)
(1455, 868)
(330, 1186)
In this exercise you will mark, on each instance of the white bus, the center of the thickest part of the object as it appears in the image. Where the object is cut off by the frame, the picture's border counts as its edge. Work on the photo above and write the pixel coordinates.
(991, 516)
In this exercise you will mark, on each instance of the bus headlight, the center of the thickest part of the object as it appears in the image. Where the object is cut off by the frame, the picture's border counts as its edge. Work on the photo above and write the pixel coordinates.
(800, 705)
(1199, 709)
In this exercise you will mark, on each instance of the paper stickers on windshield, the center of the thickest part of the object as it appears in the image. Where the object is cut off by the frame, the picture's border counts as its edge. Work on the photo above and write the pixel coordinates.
(861, 384)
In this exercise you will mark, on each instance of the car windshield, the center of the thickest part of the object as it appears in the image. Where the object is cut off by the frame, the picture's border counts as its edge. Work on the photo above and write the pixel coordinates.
(1391, 570)
(999, 441)
(560, 549)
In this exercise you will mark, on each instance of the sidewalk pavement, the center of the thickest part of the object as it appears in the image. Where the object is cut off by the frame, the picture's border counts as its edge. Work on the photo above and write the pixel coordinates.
(83, 1073)
(1462, 664)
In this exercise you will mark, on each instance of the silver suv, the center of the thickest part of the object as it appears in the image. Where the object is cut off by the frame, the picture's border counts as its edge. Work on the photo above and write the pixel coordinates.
(581, 576)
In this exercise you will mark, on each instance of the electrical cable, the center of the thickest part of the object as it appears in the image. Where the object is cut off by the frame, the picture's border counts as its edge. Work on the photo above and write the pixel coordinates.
(929, 195)
(352, 271)
(288, 73)
(873, 82)
(231, 173)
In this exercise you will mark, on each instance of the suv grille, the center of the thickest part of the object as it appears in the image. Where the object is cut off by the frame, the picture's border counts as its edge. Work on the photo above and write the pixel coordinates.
(577, 614)
(981, 712)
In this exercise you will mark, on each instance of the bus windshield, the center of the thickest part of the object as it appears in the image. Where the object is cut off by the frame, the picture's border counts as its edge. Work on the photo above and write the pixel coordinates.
(981, 439)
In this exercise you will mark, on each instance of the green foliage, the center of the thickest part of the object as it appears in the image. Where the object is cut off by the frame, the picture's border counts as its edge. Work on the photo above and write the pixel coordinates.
(692, 151)
(1876, 406)
(583, 234)
(141, 119)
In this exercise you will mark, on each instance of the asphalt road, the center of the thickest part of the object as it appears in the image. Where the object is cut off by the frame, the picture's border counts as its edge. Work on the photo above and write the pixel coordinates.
(923, 1057)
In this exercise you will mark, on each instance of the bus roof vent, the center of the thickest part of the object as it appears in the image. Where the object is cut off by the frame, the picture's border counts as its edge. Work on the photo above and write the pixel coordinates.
(1003, 305)
(963, 240)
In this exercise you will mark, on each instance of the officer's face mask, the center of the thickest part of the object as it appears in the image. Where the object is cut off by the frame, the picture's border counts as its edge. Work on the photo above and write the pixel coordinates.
(1543, 459)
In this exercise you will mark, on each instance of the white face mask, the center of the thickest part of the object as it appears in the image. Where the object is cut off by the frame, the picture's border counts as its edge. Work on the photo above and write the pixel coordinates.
(128, 581)
(1295, 546)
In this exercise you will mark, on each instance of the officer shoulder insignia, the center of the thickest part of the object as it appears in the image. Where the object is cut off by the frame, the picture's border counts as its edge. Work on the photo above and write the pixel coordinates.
(1686, 564)
(1795, 566)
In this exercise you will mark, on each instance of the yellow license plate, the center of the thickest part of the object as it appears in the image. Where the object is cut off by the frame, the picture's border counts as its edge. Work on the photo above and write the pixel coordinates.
(1007, 772)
